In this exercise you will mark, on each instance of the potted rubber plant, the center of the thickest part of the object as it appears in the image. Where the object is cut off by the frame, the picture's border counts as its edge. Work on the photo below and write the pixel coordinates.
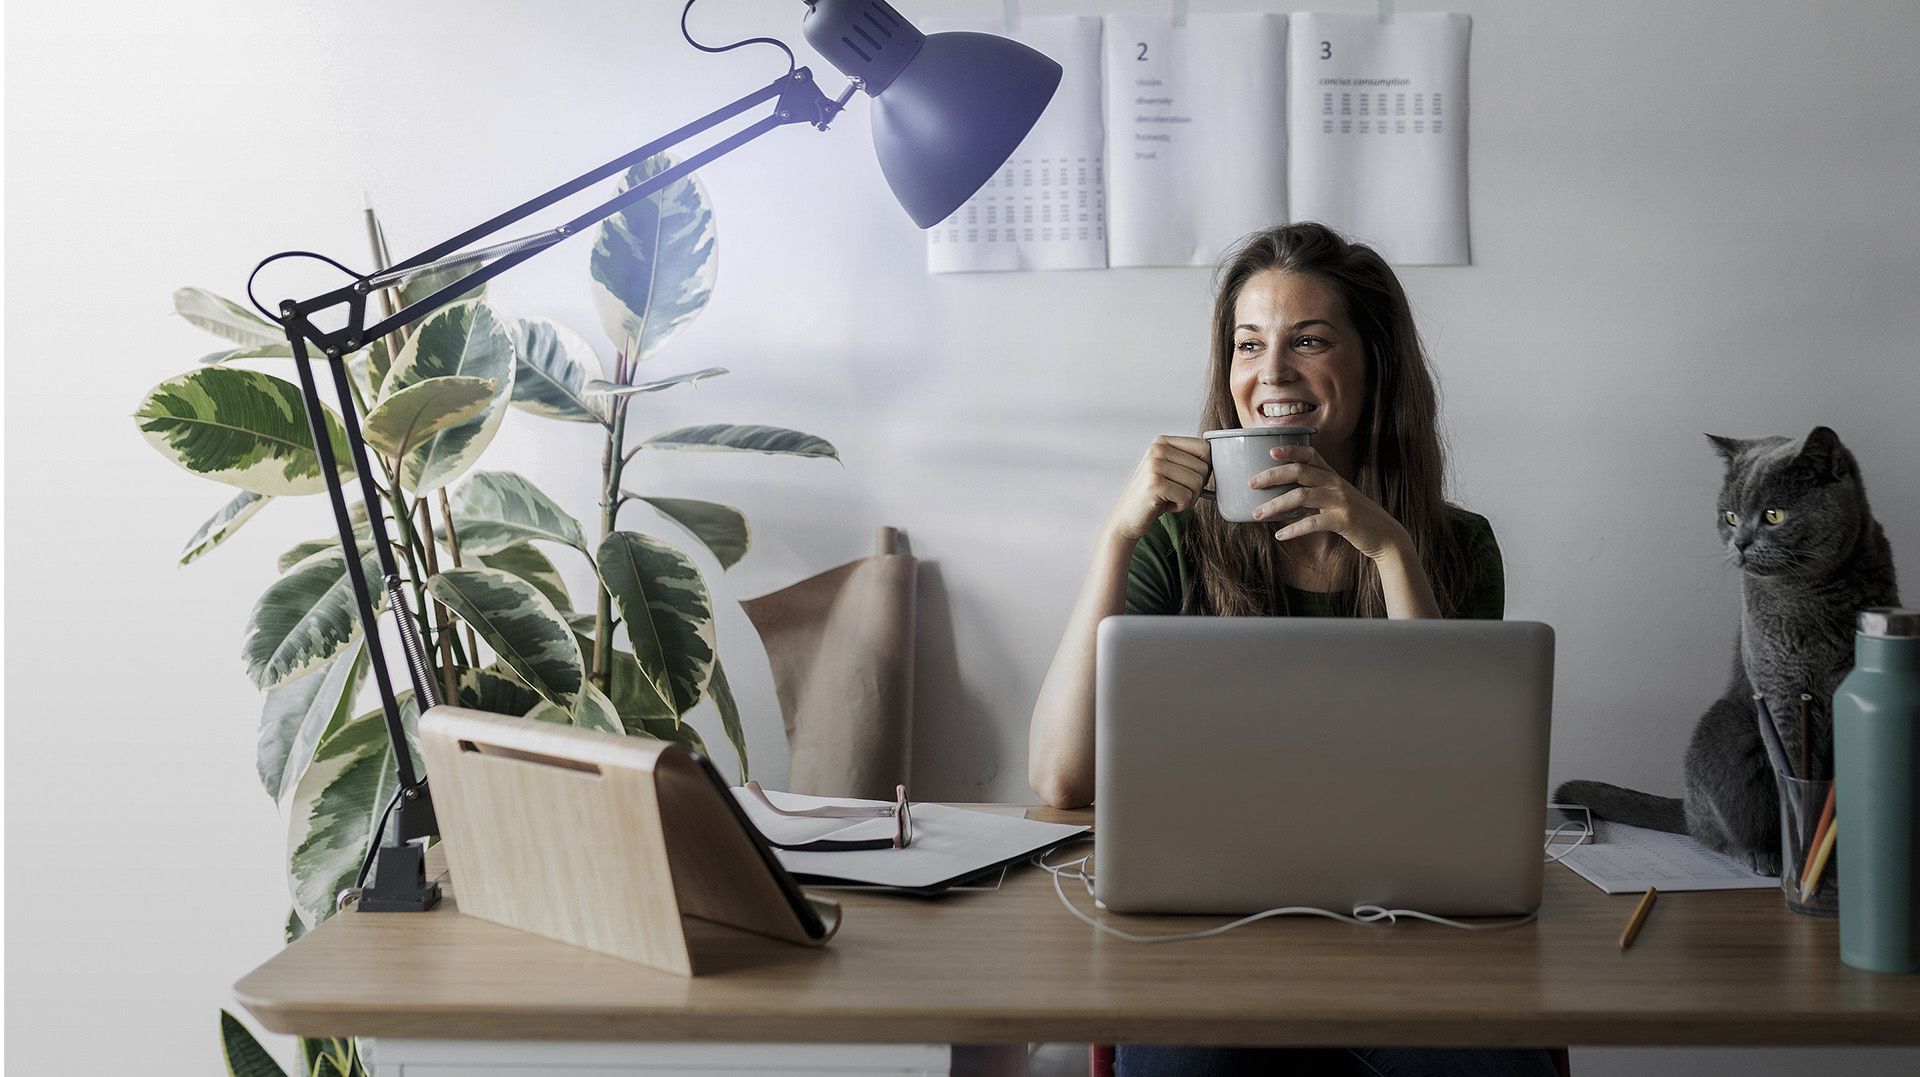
(476, 547)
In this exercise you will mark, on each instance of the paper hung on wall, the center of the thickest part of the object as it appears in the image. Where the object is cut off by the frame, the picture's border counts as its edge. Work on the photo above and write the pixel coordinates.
(1196, 134)
(1046, 207)
(1167, 143)
(1379, 131)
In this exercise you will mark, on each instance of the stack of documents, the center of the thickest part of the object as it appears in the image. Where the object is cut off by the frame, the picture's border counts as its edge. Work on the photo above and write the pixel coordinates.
(1628, 859)
(949, 846)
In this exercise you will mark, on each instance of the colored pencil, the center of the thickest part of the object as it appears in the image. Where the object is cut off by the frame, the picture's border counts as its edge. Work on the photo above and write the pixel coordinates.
(1819, 836)
(1770, 737)
(1639, 917)
(1777, 755)
(1819, 861)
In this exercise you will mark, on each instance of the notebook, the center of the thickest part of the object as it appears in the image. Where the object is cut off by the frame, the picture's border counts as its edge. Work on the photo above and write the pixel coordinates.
(950, 845)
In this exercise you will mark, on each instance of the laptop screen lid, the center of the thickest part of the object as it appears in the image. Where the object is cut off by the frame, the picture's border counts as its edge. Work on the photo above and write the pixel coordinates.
(1249, 763)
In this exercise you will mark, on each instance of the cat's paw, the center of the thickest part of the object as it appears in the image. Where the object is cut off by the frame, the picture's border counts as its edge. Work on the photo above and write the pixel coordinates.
(1763, 862)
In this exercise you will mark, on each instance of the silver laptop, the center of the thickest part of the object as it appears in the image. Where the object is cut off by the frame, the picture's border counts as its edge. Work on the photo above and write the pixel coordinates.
(1246, 763)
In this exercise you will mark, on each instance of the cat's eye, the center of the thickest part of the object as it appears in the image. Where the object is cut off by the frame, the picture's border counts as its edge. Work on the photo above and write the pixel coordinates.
(1732, 520)
(1776, 516)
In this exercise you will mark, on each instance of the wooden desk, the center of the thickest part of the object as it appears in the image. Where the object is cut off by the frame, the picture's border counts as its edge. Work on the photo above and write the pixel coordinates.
(1013, 967)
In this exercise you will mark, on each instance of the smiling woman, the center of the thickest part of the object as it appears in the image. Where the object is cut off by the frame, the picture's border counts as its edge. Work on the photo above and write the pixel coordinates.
(1314, 332)
(1308, 330)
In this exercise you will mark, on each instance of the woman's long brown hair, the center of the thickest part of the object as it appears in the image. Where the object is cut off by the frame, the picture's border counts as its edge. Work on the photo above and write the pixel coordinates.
(1398, 460)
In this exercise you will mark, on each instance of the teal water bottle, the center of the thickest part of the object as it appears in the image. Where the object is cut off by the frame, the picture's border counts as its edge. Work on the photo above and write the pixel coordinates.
(1876, 772)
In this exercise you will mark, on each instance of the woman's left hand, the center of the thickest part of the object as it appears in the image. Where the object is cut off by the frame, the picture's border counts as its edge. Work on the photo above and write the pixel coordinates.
(1330, 503)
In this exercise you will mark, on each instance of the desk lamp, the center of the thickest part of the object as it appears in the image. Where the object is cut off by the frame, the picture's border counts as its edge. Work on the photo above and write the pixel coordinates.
(948, 109)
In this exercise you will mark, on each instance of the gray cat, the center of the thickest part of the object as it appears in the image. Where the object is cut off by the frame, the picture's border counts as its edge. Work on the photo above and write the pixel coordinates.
(1793, 516)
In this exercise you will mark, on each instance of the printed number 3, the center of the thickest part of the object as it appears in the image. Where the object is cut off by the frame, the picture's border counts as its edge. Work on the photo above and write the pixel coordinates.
(1143, 51)
(1326, 50)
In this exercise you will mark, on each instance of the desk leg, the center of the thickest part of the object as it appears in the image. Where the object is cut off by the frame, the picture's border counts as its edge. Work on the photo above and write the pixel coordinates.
(527, 1058)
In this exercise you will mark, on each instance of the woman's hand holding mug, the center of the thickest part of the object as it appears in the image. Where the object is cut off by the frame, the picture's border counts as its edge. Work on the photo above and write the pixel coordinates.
(1169, 478)
(1329, 503)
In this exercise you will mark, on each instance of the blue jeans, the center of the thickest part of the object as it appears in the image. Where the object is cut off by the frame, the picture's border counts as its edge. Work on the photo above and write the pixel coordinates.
(1331, 1062)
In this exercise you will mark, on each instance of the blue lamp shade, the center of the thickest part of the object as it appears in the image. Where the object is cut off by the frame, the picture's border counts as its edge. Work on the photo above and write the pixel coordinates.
(948, 109)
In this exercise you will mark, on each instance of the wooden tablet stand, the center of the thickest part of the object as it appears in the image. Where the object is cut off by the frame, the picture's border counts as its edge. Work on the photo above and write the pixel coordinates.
(603, 841)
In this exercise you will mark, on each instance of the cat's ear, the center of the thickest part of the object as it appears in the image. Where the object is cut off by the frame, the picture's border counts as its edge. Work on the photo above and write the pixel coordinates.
(1728, 448)
(1822, 452)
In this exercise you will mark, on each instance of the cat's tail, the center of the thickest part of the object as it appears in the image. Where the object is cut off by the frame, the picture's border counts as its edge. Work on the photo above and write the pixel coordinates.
(1629, 806)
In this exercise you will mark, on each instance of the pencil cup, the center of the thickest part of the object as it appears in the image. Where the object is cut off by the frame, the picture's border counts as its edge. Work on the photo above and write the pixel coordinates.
(1801, 806)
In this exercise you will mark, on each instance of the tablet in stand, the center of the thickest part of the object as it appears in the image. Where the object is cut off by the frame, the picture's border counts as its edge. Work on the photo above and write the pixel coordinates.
(606, 842)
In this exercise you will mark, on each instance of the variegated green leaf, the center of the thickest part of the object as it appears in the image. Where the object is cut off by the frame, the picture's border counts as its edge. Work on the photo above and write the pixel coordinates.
(496, 693)
(720, 437)
(334, 811)
(362, 534)
(256, 351)
(527, 562)
(673, 732)
(497, 509)
(304, 550)
(722, 530)
(240, 427)
(414, 289)
(641, 710)
(305, 618)
(468, 340)
(654, 262)
(556, 366)
(223, 523)
(227, 320)
(583, 623)
(243, 1054)
(371, 368)
(521, 626)
(409, 417)
(723, 701)
(607, 388)
(299, 712)
(669, 618)
(633, 695)
(591, 710)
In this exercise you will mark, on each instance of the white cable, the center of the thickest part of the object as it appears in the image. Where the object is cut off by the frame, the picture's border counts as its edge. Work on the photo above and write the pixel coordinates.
(1584, 832)
(1362, 914)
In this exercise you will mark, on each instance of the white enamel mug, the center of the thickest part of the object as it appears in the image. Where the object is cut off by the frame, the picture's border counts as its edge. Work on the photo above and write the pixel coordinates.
(1240, 454)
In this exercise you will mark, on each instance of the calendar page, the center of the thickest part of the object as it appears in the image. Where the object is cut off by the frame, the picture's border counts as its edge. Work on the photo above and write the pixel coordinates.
(1196, 135)
(1378, 139)
(1046, 207)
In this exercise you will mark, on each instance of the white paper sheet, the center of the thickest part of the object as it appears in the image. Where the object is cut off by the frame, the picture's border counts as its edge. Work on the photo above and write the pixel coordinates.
(1046, 207)
(947, 842)
(1628, 859)
(1378, 146)
(1196, 122)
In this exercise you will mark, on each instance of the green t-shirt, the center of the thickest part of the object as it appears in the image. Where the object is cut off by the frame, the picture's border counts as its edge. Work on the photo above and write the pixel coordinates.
(1159, 576)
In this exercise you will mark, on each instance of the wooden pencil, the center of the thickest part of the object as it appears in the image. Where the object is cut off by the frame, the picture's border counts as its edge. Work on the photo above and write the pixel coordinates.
(1822, 850)
(1813, 843)
(1639, 917)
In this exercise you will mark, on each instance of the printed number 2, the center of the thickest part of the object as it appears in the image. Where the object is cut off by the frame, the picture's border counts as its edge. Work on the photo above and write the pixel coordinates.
(1143, 51)
(1326, 50)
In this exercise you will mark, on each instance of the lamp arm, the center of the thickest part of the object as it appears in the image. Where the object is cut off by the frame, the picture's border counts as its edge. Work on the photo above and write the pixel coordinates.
(798, 100)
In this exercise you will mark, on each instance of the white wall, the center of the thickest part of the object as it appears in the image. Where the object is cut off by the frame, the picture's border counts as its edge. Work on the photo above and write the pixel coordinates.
(1687, 217)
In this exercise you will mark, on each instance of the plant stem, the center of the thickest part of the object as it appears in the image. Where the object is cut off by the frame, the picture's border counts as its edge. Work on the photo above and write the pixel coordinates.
(403, 516)
(443, 626)
(453, 546)
(612, 463)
